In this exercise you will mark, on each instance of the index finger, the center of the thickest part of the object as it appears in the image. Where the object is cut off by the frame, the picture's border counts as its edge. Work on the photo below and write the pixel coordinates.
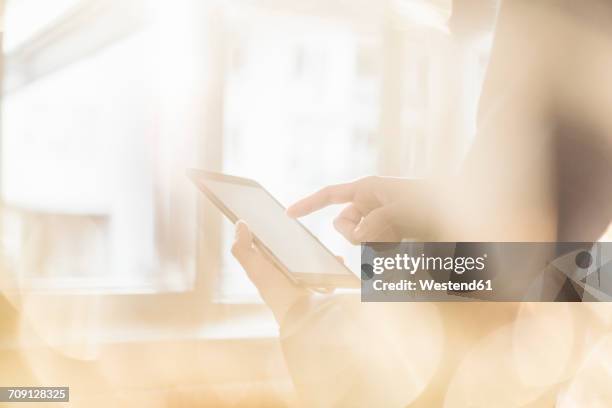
(334, 194)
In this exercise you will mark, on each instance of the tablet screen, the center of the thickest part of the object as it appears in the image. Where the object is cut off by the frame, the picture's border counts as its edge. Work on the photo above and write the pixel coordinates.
(286, 238)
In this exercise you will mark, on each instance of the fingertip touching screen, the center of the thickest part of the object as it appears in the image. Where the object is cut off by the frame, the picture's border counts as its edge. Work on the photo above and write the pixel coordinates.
(285, 237)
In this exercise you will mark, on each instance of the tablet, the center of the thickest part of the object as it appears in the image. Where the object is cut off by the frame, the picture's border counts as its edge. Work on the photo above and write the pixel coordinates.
(286, 242)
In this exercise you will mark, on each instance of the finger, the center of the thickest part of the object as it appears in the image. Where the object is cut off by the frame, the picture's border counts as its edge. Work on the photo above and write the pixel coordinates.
(243, 249)
(346, 222)
(351, 213)
(340, 259)
(374, 224)
(335, 194)
(259, 269)
(277, 291)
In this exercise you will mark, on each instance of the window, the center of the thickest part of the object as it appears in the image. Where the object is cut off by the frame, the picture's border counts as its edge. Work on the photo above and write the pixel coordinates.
(296, 114)
(88, 180)
(106, 104)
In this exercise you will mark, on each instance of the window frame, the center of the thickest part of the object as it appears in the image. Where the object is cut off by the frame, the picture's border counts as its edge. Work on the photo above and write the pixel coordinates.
(199, 305)
(46, 53)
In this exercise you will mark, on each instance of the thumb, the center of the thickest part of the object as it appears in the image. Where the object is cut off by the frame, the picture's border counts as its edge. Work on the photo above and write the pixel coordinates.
(243, 249)
(260, 270)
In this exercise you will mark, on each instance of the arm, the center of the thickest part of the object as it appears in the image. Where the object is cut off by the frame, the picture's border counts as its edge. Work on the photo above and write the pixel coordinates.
(341, 352)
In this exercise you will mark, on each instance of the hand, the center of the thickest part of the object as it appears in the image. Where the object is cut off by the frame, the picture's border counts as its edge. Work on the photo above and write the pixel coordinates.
(276, 290)
(380, 208)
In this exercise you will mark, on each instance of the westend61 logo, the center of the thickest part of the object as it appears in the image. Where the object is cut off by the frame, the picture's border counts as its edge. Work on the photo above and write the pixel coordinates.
(412, 264)
(489, 271)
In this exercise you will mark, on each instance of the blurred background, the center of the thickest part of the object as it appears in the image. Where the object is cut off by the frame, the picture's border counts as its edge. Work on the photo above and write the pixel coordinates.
(116, 273)
(106, 103)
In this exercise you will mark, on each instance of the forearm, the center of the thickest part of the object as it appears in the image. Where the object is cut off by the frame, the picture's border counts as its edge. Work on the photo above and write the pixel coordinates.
(342, 352)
